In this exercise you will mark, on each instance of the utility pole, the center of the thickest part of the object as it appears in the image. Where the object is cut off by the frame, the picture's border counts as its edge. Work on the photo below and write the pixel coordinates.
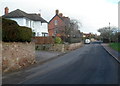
(109, 33)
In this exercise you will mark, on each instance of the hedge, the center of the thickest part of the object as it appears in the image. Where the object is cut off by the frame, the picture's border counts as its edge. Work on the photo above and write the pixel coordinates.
(12, 32)
(25, 34)
(9, 30)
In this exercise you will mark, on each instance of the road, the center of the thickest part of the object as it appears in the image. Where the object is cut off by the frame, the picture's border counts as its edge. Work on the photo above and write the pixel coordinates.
(90, 64)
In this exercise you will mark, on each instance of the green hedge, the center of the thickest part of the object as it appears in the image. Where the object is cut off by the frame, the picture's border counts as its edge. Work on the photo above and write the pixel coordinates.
(9, 30)
(25, 34)
(12, 32)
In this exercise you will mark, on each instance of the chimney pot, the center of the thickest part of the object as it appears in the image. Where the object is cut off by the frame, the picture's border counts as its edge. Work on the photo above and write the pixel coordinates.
(39, 14)
(6, 10)
(57, 12)
(61, 15)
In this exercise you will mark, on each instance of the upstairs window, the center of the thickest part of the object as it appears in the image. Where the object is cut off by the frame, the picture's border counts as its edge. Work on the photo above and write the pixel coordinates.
(27, 22)
(56, 22)
(33, 24)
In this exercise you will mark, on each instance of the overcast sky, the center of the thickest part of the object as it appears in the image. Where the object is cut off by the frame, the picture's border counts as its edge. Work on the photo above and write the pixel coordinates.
(93, 14)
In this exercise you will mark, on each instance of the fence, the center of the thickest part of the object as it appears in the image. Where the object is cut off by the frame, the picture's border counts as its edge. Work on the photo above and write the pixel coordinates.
(43, 40)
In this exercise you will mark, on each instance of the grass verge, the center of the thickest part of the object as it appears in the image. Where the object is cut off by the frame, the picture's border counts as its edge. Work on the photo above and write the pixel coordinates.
(115, 46)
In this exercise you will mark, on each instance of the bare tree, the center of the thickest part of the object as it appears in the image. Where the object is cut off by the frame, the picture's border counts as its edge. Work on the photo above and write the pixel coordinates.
(72, 30)
(109, 33)
(74, 26)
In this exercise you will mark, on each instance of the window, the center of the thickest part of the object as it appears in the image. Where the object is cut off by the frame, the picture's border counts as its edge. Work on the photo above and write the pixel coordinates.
(27, 22)
(44, 34)
(56, 30)
(33, 24)
(56, 22)
(37, 33)
(30, 23)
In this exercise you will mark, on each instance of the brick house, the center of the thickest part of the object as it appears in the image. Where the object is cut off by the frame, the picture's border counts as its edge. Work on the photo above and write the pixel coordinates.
(57, 25)
(85, 35)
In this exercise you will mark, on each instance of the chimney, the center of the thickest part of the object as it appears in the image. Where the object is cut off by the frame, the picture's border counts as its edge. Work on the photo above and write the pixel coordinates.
(57, 12)
(61, 15)
(6, 10)
(39, 14)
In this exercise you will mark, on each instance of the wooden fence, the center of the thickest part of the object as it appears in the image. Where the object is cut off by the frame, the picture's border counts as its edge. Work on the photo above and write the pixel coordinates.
(43, 40)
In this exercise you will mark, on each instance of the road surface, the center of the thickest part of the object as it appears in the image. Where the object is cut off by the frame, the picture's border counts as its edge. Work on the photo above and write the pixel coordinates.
(90, 64)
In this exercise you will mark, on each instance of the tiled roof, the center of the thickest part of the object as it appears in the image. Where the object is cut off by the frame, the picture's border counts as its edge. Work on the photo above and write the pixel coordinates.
(20, 14)
(64, 19)
(55, 16)
(36, 17)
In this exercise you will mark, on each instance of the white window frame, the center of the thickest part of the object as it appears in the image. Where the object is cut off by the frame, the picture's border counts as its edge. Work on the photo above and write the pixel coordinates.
(56, 22)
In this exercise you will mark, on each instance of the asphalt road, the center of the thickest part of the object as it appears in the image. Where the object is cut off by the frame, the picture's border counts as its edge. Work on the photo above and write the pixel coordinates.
(90, 64)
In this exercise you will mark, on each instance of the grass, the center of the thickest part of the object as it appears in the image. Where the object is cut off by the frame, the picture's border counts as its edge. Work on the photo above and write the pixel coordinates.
(115, 46)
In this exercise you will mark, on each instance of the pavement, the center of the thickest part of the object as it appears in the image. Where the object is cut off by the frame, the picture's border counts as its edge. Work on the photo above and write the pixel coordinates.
(112, 52)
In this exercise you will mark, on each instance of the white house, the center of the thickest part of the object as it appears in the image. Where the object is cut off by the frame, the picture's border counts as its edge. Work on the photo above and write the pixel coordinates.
(34, 21)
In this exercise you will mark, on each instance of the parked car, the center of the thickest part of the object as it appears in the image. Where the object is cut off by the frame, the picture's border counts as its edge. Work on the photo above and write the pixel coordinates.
(87, 41)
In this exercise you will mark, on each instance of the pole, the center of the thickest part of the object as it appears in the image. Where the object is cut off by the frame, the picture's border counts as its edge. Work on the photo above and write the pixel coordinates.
(109, 33)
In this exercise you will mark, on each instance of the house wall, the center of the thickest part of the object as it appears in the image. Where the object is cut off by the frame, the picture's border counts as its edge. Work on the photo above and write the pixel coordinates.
(52, 26)
(28, 22)
(20, 21)
(40, 27)
(32, 25)
(44, 28)
(23, 22)
(36, 26)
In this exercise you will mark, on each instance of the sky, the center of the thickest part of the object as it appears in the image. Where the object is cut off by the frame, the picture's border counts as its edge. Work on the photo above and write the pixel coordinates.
(93, 14)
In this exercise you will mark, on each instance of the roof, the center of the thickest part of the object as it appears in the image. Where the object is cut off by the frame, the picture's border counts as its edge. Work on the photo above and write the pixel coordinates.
(20, 14)
(66, 20)
(55, 16)
(36, 17)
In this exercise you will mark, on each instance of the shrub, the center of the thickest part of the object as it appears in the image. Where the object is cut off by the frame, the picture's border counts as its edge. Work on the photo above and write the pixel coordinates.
(12, 32)
(58, 40)
(9, 30)
(25, 34)
(33, 34)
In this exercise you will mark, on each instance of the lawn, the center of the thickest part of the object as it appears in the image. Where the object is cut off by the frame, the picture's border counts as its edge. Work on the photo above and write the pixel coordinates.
(115, 46)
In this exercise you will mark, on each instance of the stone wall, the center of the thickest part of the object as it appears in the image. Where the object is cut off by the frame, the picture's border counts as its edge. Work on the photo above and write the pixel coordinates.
(0, 57)
(74, 46)
(0, 63)
(17, 55)
(65, 47)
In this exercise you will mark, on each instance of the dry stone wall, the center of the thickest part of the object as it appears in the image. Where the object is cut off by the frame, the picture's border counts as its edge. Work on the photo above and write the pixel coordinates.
(17, 55)
(74, 46)
(65, 47)
(0, 63)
